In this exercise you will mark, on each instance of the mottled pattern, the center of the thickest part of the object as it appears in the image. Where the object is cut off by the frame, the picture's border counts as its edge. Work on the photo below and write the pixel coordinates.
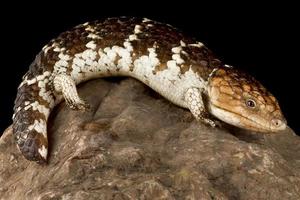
(156, 54)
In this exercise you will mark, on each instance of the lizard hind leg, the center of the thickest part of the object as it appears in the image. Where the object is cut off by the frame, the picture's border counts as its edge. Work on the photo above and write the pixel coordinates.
(195, 103)
(66, 85)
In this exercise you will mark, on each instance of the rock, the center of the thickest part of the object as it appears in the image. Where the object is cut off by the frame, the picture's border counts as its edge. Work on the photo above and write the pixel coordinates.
(134, 144)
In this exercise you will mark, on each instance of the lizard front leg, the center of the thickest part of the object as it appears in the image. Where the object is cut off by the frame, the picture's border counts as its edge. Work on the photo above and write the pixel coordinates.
(195, 103)
(65, 84)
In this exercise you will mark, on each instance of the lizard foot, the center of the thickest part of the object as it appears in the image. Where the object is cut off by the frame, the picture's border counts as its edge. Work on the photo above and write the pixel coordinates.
(65, 84)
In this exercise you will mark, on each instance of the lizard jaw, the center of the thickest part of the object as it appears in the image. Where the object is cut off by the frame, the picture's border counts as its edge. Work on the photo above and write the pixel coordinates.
(247, 122)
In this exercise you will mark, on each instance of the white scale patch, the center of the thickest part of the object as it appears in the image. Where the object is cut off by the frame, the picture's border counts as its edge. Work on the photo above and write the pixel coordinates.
(108, 56)
(145, 64)
(146, 20)
(62, 64)
(132, 37)
(17, 110)
(39, 126)
(91, 45)
(54, 46)
(46, 48)
(229, 66)
(85, 64)
(176, 53)
(35, 79)
(137, 30)
(92, 32)
(212, 73)
(86, 23)
(43, 151)
(90, 29)
(41, 108)
(198, 44)
(93, 36)
(182, 43)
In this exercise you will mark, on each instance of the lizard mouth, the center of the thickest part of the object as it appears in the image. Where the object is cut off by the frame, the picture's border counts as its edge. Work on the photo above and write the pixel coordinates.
(247, 122)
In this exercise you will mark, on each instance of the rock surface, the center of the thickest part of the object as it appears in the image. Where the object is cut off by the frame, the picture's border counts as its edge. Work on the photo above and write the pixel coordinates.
(134, 144)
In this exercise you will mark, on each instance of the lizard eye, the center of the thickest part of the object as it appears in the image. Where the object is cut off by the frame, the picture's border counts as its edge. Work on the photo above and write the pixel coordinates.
(250, 103)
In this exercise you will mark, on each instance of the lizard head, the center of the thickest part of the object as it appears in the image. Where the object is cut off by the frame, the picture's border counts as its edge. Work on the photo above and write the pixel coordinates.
(238, 99)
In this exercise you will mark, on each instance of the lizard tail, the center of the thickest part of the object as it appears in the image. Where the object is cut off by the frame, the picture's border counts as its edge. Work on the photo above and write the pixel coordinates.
(33, 104)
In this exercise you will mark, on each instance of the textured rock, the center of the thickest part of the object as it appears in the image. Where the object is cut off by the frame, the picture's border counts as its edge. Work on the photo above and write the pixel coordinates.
(133, 144)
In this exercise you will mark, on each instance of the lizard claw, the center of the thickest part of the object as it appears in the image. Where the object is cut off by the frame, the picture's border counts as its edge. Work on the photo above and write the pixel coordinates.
(209, 122)
(81, 105)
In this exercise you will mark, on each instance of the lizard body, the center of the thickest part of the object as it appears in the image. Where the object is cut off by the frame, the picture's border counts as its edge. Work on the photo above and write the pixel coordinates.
(181, 69)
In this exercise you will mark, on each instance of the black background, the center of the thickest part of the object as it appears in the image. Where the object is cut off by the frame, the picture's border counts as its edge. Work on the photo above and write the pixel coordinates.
(261, 39)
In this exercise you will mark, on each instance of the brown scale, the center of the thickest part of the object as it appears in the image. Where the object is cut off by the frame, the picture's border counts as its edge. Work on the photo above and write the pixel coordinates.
(238, 85)
(201, 60)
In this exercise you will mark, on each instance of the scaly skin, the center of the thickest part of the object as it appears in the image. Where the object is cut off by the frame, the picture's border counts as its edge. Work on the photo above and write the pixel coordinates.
(229, 90)
(181, 69)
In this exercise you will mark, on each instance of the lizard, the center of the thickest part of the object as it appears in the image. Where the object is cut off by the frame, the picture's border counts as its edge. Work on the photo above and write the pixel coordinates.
(181, 69)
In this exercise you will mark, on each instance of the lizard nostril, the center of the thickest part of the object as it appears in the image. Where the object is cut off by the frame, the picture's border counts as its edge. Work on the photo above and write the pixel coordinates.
(277, 122)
